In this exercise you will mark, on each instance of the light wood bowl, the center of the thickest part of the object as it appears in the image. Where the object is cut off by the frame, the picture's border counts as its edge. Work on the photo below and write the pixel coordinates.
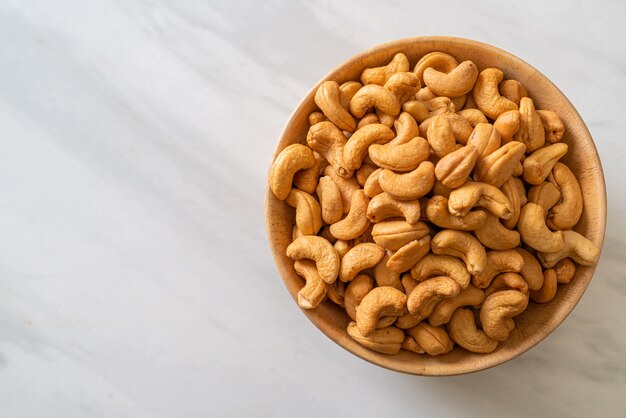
(537, 321)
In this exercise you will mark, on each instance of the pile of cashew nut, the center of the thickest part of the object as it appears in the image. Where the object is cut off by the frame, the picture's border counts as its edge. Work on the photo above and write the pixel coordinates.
(431, 205)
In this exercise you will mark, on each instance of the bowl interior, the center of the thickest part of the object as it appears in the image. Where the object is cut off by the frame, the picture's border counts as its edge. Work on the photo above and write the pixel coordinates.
(538, 320)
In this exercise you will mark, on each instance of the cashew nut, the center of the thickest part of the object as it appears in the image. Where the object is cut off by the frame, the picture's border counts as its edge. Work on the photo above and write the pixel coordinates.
(441, 190)
(507, 124)
(487, 96)
(507, 281)
(385, 119)
(384, 276)
(484, 195)
(400, 157)
(314, 291)
(308, 211)
(359, 258)
(403, 86)
(368, 119)
(380, 301)
(498, 262)
(335, 292)
(440, 136)
(463, 331)
(380, 75)
(347, 90)
(443, 311)
(440, 105)
(492, 234)
(531, 270)
(567, 213)
(342, 247)
(455, 83)
(548, 289)
(293, 158)
(552, 125)
(565, 270)
(409, 254)
(531, 131)
(485, 138)
(383, 206)
(376, 96)
(327, 99)
(539, 164)
(355, 292)
(515, 192)
(406, 129)
(393, 235)
(534, 232)
(497, 167)
(461, 245)
(356, 147)
(513, 90)
(387, 340)
(356, 222)
(474, 116)
(410, 344)
(364, 172)
(461, 128)
(545, 195)
(347, 187)
(328, 140)
(319, 250)
(437, 60)
(498, 308)
(576, 247)
(330, 200)
(316, 117)
(416, 109)
(453, 169)
(434, 340)
(372, 184)
(306, 180)
(438, 213)
(411, 185)
(427, 294)
(441, 265)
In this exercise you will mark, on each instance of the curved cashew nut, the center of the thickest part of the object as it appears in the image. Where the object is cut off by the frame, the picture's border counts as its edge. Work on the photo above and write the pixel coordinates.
(454, 169)
(359, 258)
(372, 184)
(291, 159)
(507, 281)
(380, 75)
(308, 211)
(548, 289)
(347, 187)
(383, 206)
(380, 301)
(484, 195)
(440, 136)
(443, 311)
(552, 125)
(387, 340)
(498, 262)
(487, 96)
(441, 265)
(427, 294)
(531, 131)
(497, 167)
(461, 245)
(400, 157)
(355, 292)
(327, 99)
(565, 270)
(438, 213)
(342, 247)
(393, 235)
(515, 192)
(330, 200)
(461, 128)
(498, 308)
(508, 124)
(319, 250)
(411, 185)
(513, 90)
(328, 140)
(567, 213)
(531, 271)
(455, 83)
(406, 129)
(314, 290)
(463, 331)
(384, 276)
(403, 85)
(433, 340)
(356, 222)
(316, 117)
(474, 116)
(485, 138)
(545, 195)
(496, 236)
(576, 247)
(306, 180)
(364, 172)
(409, 254)
(356, 147)
(539, 164)
(532, 227)
(437, 60)
(373, 95)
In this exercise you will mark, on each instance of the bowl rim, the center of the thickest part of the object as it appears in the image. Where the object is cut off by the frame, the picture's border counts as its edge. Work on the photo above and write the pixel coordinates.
(528, 343)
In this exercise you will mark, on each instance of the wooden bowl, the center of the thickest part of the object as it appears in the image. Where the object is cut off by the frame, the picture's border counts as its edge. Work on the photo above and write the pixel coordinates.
(537, 321)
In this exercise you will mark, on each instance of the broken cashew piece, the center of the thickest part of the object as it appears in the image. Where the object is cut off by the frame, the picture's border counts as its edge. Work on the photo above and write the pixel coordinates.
(387, 340)
(411, 185)
(379, 302)
(484, 195)
(497, 309)
(319, 250)
(498, 262)
(487, 96)
(314, 290)
(308, 211)
(576, 247)
(291, 159)
(359, 258)
(438, 213)
(383, 206)
(463, 331)
(462, 245)
(539, 164)
(327, 98)
(443, 311)
(356, 222)
(534, 232)
(356, 147)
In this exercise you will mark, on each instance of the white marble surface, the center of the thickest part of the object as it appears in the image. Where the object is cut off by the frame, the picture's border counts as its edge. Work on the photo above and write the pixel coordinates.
(135, 276)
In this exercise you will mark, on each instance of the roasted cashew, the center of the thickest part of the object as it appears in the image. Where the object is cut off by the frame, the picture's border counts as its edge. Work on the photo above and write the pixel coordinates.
(497, 167)
(531, 271)
(384, 276)
(498, 262)
(567, 213)
(424, 94)
(498, 308)
(383, 206)
(548, 289)
(507, 281)
(461, 245)
(328, 140)
(534, 232)
(427, 294)
(406, 129)
(438, 60)
(400, 157)
(455, 83)
(461, 128)
(403, 86)
(409, 254)
(441, 265)
(496, 236)
(347, 187)
(375, 96)
(291, 159)
(545, 195)
(539, 164)
(330, 200)
(440, 105)
(380, 75)
(319, 250)
(306, 180)
(364, 172)
(356, 222)
(356, 147)
(368, 119)
(507, 125)
(308, 211)
(335, 292)
(453, 169)
(487, 96)
(565, 270)
(485, 138)
(385, 119)
(342, 247)
(387, 340)
(434, 340)
(416, 109)
(513, 90)
(552, 125)
(393, 235)
(576, 247)
(440, 136)
(411, 185)
(316, 117)
(515, 192)
(474, 116)
(438, 213)
(443, 311)
(327, 99)
(314, 290)
(347, 91)
(531, 131)
(484, 195)
(463, 331)
(410, 344)
(372, 184)
(359, 258)
(355, 292)
(379, 302)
